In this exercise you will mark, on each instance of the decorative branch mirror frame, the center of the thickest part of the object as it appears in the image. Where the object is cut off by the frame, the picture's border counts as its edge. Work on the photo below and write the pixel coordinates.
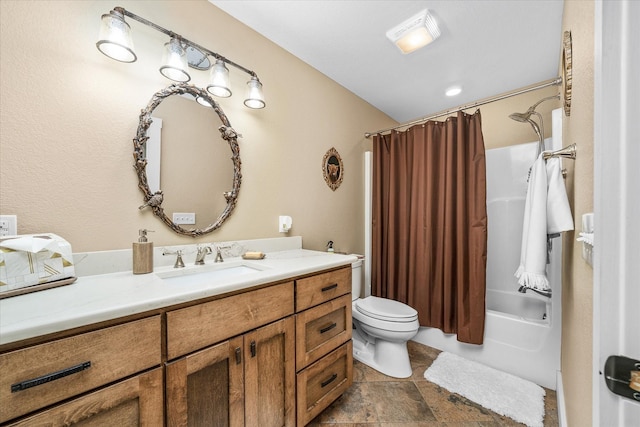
(154, 200)
(332, 169)
(567, 72)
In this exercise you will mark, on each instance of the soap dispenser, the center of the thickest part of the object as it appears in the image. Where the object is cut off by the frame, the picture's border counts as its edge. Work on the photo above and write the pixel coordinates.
(142, 254)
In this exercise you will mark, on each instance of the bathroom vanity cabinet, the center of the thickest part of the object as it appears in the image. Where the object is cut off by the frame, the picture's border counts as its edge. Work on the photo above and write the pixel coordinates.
(41, 375)
(276, 354)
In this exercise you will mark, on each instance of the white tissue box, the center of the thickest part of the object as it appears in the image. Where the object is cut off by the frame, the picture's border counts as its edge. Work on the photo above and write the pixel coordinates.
(34, 259)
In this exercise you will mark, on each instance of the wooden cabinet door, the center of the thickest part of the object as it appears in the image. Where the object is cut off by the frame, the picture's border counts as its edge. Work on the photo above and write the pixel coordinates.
(137, 401)
(270, 375)
(207, 388)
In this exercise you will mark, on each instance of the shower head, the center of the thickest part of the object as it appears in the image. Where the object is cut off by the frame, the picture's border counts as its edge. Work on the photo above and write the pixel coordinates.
(520, 117)
(538, 128)
(526, 116)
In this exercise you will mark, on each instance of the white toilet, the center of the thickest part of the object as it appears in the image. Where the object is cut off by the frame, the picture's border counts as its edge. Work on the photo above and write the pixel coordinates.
(381, 329)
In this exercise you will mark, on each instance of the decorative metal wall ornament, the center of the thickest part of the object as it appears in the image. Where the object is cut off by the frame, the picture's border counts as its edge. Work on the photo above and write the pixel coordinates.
(567, 70)
(154, 200)
(332, 169)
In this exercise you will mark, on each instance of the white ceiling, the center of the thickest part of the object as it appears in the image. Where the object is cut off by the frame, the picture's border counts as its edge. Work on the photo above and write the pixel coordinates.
(487, 47)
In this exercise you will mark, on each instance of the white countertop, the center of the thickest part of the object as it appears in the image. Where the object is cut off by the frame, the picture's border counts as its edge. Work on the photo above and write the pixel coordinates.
(103, 297)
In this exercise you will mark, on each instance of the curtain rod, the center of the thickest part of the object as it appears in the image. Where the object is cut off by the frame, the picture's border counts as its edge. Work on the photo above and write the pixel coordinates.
(552, 82)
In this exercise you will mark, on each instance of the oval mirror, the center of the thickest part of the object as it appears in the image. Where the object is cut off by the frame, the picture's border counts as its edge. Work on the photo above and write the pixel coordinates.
(187, 159)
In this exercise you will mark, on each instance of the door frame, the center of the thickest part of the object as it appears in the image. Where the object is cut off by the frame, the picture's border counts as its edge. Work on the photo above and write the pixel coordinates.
(616, 199)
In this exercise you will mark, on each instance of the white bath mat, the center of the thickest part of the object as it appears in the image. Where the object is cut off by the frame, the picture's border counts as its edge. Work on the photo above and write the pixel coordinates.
(503, 393)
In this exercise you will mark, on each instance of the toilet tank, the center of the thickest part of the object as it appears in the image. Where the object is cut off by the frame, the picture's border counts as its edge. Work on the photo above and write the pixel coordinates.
(356, 279)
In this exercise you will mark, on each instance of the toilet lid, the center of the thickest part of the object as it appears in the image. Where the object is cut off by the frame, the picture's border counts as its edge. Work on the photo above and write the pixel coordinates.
(386, 309)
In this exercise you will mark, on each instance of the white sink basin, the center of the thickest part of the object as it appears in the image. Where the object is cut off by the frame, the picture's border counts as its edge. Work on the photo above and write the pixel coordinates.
(211, 273)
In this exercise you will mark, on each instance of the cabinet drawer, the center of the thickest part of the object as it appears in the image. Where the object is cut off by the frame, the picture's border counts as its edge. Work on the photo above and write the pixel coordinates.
(38, 376)
(137, 401)
(323, 382)
(321, 329)
(322, 287)
(199, 326)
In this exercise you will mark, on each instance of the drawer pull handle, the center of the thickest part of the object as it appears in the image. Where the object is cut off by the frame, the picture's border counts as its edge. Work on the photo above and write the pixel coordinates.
(253, 348)
(328, 288)
(49, 377)
(328, 328)
(238, 356)
(329, 381)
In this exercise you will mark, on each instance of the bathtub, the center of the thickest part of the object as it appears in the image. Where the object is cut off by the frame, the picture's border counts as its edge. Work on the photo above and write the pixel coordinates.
(522, 331)
(517, 320)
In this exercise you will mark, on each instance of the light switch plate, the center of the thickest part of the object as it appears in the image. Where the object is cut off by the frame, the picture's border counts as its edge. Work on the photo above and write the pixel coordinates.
(8, 225)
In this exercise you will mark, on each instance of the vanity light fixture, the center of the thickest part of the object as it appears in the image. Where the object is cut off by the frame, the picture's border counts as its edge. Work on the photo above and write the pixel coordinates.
(115, 38)
(115, 42)
(255, 99)
(219, 81)
(414, 33)
(174, 62)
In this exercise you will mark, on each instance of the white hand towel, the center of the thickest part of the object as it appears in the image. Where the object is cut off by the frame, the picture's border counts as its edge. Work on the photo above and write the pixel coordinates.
(546, 212)
(559, 217)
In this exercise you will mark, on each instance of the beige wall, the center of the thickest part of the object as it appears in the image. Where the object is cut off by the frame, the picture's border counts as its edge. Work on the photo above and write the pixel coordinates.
(577, 293)
(69, 114)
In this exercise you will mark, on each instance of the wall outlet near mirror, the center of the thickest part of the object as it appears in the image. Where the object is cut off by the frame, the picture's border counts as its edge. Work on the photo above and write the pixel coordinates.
(184, 218)
(8, 225)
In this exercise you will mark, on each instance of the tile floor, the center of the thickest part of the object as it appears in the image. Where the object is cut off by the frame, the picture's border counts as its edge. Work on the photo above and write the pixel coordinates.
(376, 400)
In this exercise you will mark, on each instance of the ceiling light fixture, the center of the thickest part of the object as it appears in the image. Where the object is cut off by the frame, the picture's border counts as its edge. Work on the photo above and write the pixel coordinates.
(414, 33)
(115, 42)
(453, 91)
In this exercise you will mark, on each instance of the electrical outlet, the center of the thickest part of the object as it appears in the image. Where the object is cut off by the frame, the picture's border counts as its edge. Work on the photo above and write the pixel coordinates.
(184, 218)
(8, 225)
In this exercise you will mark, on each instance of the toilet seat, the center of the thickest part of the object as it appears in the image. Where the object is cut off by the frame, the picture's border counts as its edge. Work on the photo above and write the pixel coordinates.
(386, 309)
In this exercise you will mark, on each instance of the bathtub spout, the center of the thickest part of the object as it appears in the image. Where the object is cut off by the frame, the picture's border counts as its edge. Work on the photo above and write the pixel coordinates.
(523, 289)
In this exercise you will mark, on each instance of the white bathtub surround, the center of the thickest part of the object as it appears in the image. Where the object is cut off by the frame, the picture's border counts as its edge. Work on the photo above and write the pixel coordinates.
(500, 392)
(522, 331)
(106, 296)
(546, 214)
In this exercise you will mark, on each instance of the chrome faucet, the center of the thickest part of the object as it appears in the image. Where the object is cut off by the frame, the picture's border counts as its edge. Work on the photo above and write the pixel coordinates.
(219, 252)
(202, 252)
(179, 263)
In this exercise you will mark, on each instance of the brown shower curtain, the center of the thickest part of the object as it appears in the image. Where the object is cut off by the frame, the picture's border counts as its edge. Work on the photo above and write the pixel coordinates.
(430, 223)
